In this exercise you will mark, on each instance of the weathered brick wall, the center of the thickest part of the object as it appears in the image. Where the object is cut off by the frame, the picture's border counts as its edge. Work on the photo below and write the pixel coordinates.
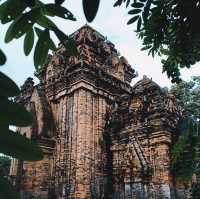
(141, 146)
(78, 154)
(35, 179)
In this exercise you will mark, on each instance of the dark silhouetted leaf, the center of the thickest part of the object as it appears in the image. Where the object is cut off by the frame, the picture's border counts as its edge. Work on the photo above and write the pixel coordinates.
(45, 22)
(118, 3)
(51, 44)
(61, 36)
(135, 11)
(90, 8)
(18, 146)
(139, 24)
(59, 2)
(132, 20)
(145, 13)
(146, 47)
(2, 57)
(144, 17)
(30, 3)
(38, 31)
(69, 44)
(11, 9)
(22, 24)
(128, 2)
(13, 113)
(43, 45)
(137, 5)
(41, 49)
(6, 190)
(59, 11)
(8, 87)
(28, 42)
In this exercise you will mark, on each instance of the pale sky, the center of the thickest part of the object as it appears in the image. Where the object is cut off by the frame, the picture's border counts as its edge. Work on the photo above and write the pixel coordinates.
(111, 22)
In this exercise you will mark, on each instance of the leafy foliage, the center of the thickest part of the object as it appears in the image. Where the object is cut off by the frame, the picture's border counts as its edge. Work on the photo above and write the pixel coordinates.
(28, 42)
(20, 147)
(196, 191)
(2, 57)
(4, 166)
(7, 191)
(168, 28)
(186, 151)
(12, 143)
(13, 113)
(186, 155)
(188, 96)
(9, 88)
(42, 47)
(90, 8)
(28, 16)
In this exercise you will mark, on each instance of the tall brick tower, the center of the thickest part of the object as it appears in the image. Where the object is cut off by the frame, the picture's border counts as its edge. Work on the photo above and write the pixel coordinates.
(100, 136)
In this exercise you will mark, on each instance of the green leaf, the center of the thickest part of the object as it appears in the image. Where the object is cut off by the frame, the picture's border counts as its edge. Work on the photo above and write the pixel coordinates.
(45, 22)
(57, 10)
(139, 24)
(14, 114)
(59, 2)
(52, 46)
(6, 190)
(22, 24)
(28, 42)
(127, 3)
(90, 8)
(41, 49)
(132, 20)
(146, 47)
(137, 5)
(48, 39)
(38, 3)
(18, 146)
(118, 3)
(38, 31)
(2, 57)
(60, 35)
(30, 3)
(145, 13)
(69, 44)
(8, 88)
(134, 11)
(11, 9)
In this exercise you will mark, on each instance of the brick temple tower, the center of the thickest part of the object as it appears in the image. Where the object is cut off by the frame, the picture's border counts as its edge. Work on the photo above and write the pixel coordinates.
(101, 137)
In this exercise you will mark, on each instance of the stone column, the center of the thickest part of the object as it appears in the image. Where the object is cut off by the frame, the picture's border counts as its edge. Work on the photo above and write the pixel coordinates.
(79, 171)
